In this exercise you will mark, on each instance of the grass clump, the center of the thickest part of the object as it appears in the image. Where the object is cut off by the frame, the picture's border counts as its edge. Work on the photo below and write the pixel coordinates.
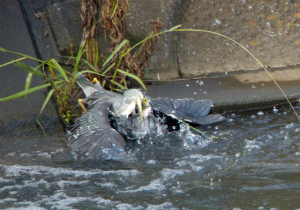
(114, 71)
(112, 19)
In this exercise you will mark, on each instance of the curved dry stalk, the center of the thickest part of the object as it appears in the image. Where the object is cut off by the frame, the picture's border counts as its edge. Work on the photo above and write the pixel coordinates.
(176, 28)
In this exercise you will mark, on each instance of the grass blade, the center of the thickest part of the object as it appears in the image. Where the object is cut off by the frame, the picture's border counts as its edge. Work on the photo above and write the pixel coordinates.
(81, 51)
(125, 41)
(218, 34)
(90, 65)
(23, 55)
(2, 49)
(43, 107)
(27, 83)
(103, 83)
(97, 55)
(57, 66)
(30, 69)
(26, 92)
(106, 70)
(88, 71)
(153, 35)
(174, 28)
(13, 61)
(133, 76)
(118, 84)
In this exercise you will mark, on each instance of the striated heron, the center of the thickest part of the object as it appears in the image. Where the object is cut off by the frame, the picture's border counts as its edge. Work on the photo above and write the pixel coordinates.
(92, 133)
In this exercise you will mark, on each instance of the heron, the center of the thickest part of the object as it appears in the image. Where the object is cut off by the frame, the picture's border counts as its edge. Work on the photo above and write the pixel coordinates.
(93, 134)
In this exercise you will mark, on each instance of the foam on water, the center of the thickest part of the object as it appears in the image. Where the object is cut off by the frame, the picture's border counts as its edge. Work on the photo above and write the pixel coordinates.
(253, 159)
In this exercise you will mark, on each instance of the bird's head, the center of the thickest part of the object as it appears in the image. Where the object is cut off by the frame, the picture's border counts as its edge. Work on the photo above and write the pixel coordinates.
(135, 99)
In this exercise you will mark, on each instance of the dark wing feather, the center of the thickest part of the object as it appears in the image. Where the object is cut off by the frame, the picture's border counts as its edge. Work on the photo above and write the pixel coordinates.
(92, 133)
(187, 110)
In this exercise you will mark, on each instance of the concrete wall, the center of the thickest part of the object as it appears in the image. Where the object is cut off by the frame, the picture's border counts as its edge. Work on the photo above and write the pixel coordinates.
(17, 117)
(269, 29)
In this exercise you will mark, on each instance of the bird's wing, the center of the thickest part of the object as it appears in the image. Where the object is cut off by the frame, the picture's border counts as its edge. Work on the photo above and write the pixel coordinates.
(89, 88)
(187, 110)
(92, 133)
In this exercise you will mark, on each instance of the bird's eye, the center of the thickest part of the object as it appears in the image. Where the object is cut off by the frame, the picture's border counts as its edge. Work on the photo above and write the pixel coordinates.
(145, 100)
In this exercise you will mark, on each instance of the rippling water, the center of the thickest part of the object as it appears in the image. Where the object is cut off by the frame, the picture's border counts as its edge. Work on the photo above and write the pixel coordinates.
(253, 164)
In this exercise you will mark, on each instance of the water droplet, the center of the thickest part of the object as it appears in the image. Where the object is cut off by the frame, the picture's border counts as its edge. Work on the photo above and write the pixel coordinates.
(152, 162)
(217, 22)
(260, 113)
(288, 126)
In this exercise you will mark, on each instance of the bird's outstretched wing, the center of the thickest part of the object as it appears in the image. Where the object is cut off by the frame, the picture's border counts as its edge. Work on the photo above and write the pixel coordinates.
(92, 133)
(187, 110)
(87, 87)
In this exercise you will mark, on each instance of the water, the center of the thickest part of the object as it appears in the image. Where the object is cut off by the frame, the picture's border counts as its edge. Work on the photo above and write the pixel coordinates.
(253, 164)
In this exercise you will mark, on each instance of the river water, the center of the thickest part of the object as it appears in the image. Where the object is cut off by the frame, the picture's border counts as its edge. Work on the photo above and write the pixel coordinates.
(252, 164)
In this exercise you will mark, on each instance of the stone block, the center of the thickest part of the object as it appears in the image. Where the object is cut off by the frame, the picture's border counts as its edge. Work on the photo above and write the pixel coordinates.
(163, 62)
(65, 24)
(66, 28)
(269, 29)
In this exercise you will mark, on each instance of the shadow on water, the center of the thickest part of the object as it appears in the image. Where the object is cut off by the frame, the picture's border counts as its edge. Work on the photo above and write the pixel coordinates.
(254, 164)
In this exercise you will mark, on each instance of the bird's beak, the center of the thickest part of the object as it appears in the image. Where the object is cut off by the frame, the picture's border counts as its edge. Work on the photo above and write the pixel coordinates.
(139, 106)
